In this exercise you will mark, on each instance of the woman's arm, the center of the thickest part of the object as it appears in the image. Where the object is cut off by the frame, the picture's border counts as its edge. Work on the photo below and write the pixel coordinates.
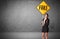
(42, 23)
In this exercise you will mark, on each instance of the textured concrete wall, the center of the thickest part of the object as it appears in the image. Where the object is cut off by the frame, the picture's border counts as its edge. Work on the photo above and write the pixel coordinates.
(20, 15)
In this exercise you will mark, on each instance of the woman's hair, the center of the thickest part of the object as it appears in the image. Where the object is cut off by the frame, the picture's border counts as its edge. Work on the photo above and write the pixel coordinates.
(46, 14)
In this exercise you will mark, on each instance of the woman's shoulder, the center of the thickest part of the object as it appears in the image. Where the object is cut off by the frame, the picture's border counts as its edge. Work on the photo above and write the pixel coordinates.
(48, 19)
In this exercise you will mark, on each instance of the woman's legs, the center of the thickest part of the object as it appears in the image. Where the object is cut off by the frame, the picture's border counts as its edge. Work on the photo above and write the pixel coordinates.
(46, 35)
(42, 35)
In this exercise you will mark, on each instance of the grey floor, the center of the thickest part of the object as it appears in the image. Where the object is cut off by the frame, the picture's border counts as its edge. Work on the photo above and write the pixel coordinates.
(28, 35)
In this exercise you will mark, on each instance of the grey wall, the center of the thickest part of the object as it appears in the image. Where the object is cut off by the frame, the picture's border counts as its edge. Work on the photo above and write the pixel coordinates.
(20, 15)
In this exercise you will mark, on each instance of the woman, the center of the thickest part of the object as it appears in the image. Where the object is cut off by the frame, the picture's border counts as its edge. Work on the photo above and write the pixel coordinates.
(45, 29)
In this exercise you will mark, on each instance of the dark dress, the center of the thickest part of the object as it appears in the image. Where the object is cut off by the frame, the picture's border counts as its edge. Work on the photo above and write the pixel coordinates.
(45, 28)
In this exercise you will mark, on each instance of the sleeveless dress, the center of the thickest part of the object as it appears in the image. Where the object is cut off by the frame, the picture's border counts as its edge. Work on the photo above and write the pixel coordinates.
(45, 28)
